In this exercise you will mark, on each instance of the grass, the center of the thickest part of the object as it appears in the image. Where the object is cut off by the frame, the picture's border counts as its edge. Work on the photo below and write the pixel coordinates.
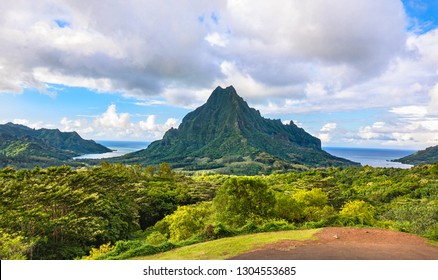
(229, 247)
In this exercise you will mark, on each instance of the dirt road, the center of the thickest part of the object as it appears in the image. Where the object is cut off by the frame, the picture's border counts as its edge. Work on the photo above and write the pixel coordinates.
(349, 244)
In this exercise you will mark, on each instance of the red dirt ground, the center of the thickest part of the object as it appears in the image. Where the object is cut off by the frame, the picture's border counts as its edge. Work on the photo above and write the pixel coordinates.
(349, 244)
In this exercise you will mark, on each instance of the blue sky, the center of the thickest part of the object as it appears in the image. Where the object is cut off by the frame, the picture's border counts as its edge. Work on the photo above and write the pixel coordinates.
(353, 73)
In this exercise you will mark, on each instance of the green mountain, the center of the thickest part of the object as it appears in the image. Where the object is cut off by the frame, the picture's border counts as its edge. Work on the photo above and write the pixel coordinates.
(21, 146)
(227, 135)
(427, 156)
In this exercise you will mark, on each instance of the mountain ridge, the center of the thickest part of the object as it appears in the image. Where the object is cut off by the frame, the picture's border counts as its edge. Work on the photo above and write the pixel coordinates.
(426, 156)
(226, 131)
(22, 146)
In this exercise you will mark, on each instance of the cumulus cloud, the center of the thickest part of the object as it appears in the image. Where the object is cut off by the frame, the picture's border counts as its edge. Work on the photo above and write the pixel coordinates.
(111, 119)
(326, 132)
(135, 47)
(112, 124)
(31, 124)
(143, 48)
(405, 130)
(282, 56)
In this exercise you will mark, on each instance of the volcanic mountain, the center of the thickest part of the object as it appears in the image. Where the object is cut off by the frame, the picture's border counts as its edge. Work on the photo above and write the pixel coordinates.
(227, 135)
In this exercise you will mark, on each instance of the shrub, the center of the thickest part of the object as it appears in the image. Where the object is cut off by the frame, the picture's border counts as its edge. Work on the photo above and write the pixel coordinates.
(13, 247)
(99, 252)
(187, 221)
(156, 238)
(357, 212)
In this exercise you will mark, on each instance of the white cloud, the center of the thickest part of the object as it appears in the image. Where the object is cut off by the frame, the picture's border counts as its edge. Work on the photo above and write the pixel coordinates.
(110, 119)
(413, 111)
(326, 131)
(284, 56)
(375, 131)
(216, 39)
(114, 125)
(433, 105)
(328, 127)
(405, 130)
(31, 124)
(146, 48)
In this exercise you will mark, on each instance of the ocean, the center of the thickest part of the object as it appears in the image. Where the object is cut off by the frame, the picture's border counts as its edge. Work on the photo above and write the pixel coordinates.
(119, 148)
(371, 157)
(365, 156)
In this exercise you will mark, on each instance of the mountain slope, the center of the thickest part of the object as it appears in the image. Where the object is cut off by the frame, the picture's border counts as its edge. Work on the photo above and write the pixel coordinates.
(427, 156)
(226, 132)
(21, 146)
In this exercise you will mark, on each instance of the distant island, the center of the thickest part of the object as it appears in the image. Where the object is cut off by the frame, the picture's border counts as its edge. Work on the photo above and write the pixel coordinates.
(24, 147)
(427, 156)
(226, 136)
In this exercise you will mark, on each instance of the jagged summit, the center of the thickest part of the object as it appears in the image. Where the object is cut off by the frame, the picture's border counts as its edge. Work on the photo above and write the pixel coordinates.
(226, 132)
(221, 96)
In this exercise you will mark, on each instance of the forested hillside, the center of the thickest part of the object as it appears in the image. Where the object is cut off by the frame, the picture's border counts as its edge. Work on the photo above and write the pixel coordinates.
(426, 156)
(24, 147)
(122, 211)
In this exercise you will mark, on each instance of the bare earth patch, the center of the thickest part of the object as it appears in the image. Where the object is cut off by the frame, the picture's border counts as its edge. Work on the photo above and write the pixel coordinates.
(348, 244)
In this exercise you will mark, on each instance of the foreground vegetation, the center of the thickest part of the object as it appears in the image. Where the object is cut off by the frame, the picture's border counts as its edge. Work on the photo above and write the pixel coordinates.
(226, 248)
(118, 212)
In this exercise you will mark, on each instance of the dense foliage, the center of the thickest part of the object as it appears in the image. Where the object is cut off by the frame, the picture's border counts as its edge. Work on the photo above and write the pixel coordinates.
(117, 211)
(60, 213)
(228, 136)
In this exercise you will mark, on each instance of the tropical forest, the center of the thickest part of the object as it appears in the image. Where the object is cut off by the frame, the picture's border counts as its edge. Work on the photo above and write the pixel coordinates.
(115, 211)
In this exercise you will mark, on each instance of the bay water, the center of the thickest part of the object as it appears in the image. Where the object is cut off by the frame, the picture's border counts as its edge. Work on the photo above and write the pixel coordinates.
(364, 156)
(119, 149)
(371, 157)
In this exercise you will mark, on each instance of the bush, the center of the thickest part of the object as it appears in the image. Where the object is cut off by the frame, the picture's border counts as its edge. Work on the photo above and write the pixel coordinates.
(187, 221)
(432, 233)
(277, 225)
(156, 238)
(99, 252)
(216, 231)
(13, 247)
(250, 227)
(357, 212)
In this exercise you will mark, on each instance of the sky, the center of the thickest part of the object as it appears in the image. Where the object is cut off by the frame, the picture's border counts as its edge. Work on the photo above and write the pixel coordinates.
(353, 73)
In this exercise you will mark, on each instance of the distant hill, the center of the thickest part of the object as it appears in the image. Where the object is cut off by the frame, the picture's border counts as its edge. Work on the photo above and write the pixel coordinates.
(228, 136)
(21, 146)
(427, 156)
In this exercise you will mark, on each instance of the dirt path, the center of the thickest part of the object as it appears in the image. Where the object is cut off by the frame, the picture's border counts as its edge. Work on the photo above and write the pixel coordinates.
(349, 244)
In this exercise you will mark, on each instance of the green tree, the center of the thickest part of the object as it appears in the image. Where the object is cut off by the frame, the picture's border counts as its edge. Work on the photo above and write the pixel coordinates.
(242, 199)
(187, 221)
(13, 246)
(165, 171)
(303, 205)
(357, 212)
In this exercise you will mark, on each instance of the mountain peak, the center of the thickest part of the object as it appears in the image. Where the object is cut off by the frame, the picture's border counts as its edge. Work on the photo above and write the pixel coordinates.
(222, 96)
(226, 130)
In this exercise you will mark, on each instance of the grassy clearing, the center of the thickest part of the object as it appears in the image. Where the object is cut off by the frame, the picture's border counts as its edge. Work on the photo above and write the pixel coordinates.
(229, 247)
